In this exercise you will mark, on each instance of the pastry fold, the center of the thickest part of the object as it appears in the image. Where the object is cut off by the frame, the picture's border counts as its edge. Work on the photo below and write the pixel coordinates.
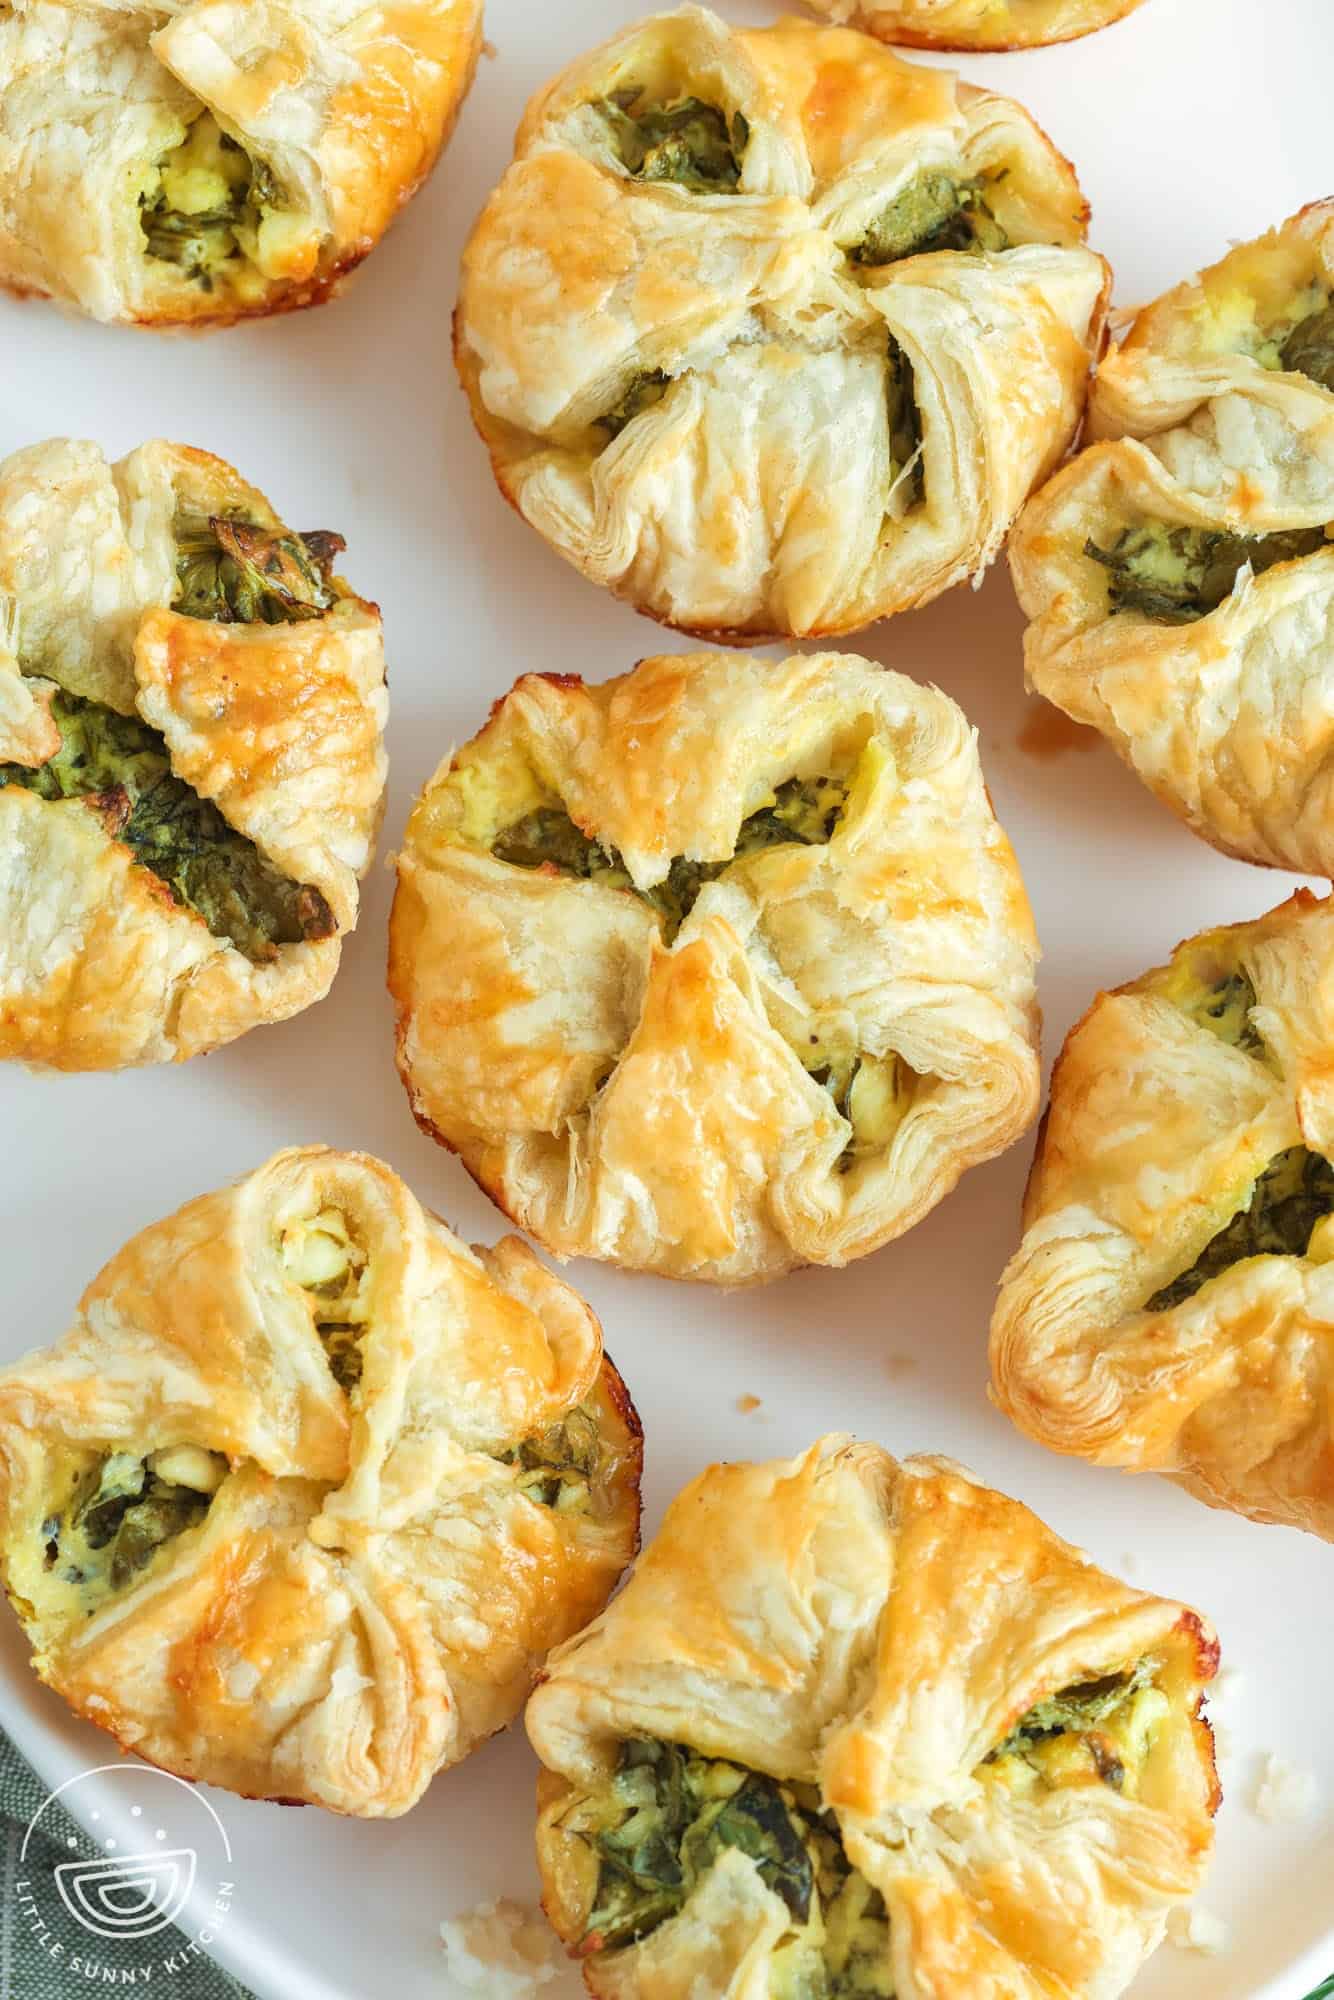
(204, 162)
(309, 1488)
(191, 759)
(953, 1757)
(976, 24)
(1168, 1307)
(798, 367)
(717, 968)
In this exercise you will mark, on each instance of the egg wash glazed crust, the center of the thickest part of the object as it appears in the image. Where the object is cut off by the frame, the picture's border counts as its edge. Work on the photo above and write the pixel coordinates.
(1169, 1306)
(1180, 578)
(192, 772)
(977, 24)
(199, 163)
(866, 1730)
(718, 968)
(309, 1488)
(770, 332)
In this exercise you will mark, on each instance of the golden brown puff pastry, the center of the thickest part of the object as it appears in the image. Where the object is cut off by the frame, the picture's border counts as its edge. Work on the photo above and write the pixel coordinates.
(770, 332)
(1230, 377)
(192, 771)
(864, 1727)
(718, 968)
(1168, 1307)
(309, 1488)
(977, 24)
(1197, 639)
(196, 162)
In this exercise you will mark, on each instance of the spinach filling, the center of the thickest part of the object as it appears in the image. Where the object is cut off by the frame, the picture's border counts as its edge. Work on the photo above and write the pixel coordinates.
(934, 211)
(209, 205)
(560, 1467)
(1100, 1729)
(667, 1815)
(1177, 574)
(905, 422)
(873, 1093)
(804, 812)
(641, 393)
(1224, 1008)
(233, 572)
(1293, 1194)
(685, 141)
(1309, 348)
(120, 1514)
(122, 769)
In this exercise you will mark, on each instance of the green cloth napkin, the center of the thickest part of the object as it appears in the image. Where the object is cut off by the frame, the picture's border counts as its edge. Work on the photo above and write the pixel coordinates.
(27, 1972)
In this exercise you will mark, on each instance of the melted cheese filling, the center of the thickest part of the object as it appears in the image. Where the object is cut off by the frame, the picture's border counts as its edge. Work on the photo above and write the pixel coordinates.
(1098, 1732)
(221, 217)
(111, 1518)
(564, 1467)
(320, 1254)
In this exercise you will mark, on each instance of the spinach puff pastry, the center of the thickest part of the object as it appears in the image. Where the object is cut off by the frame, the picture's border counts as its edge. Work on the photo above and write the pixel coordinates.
(1197, 634)
(172, 162)
(309, 1488)
(770, 332)
(192, 770)
(1179, 575)
(861, 1728)
(718, 968)
(1168, 1306)
(977, 24)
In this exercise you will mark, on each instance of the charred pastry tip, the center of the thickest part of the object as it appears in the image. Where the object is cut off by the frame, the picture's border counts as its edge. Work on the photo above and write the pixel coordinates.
(316, 918)
(112, 808)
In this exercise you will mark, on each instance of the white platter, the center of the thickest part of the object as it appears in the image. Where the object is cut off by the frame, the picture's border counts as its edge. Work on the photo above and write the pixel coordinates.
(1196, 121)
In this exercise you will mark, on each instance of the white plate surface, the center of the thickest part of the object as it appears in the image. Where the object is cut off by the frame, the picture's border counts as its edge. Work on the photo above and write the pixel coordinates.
(1195, 122)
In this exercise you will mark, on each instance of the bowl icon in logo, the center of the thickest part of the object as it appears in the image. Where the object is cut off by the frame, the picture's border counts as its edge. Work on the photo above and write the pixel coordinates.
(133, 1897)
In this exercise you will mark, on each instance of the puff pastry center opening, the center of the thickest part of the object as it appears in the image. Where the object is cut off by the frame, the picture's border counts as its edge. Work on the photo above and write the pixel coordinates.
(667, 1815)
(1283, 1210)
(1173, 574)
(934, 210)
(109, 1517)
(1095, 1732)
(565, 1467)
(120, 769)
(800, 812)
(322, 1255)
(219, 216)
(682, 140)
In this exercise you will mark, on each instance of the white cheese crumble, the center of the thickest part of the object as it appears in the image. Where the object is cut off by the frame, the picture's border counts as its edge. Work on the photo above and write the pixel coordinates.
(1283, 1792)
(1194, 1929)
(504, 1950)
